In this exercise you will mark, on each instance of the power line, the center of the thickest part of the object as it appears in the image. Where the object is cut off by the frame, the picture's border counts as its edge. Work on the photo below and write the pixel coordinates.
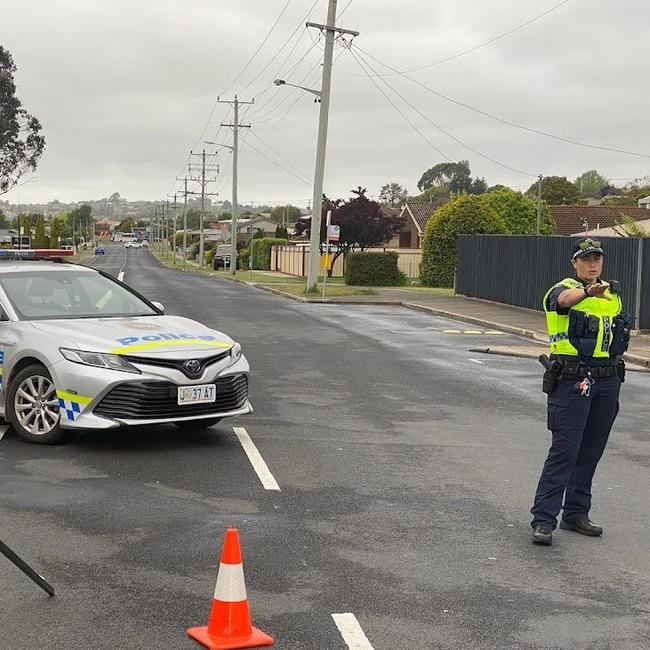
(502, 120)
(274, 151)
(390, 101)
(458, 55)
(281, 48)
(446, 132)
(257, 51)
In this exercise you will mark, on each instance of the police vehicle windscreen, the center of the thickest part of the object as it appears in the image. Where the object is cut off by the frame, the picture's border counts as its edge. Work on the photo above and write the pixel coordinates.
(41, 295)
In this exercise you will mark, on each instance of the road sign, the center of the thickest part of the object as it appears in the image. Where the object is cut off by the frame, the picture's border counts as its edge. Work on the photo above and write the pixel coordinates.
(334, 233)
(325, 261)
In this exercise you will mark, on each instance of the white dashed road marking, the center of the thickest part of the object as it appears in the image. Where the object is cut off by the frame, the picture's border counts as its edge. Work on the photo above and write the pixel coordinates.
(3, 430)
(351, 632)
(477, 361)
(256, 459)
(120, 276)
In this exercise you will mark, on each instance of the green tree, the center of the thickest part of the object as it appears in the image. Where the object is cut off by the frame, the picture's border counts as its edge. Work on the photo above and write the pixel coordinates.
(556, 190)
(631, 227)
(451, 178)
(4, 222)
(25, 224)
(40, 240)
(55, 232)
(281, 232)
(285, 213)
(465, 214)
(126, 225)
(393, 195)
(591, 183)
(519, 212)
(225, 216)
(21, 144)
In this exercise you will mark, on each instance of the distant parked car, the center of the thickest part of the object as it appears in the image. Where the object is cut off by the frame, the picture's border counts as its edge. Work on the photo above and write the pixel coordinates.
(145, 244)
(99, 250)
(136, 244)
(222, 258)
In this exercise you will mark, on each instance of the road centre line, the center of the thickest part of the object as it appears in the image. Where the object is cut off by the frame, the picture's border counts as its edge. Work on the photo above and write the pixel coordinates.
(260, 467)
(120, 276)
(354, 637)
(3, 429)
(478, 361)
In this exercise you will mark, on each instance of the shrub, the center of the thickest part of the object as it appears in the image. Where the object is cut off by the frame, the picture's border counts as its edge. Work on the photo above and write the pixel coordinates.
(373, 269)
(260, 250)
(466, 214)
(244, 258)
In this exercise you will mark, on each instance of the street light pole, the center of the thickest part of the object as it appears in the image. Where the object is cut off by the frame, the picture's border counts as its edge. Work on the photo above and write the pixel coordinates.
(319, 173)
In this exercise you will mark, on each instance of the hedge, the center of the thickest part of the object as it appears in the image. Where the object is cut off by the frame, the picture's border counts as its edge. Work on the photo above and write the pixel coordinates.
(373, 269)
(260, 251)
(466, 214)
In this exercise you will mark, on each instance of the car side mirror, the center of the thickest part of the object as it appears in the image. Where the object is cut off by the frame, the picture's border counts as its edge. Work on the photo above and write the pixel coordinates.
(159, 306)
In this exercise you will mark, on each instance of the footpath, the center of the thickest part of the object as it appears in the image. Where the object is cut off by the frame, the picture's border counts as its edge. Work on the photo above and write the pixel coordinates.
(527, 323)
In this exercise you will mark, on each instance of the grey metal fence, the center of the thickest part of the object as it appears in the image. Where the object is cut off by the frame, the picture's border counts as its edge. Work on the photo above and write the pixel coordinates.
(519, 269)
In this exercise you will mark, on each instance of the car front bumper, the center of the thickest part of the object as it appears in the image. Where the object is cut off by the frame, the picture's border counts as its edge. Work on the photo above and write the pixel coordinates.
(83, 390)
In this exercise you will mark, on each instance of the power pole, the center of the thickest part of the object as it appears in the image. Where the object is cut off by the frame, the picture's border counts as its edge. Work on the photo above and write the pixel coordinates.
(203, 181)
(330, 30)
(184, 224)
(235, 168)
(539, 204)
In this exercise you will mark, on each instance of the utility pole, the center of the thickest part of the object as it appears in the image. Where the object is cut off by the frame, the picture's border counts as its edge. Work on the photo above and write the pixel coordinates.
(203, 181)
(330, 30)
(184, 224)
(235, 169)
(166, 229)
(539, 204)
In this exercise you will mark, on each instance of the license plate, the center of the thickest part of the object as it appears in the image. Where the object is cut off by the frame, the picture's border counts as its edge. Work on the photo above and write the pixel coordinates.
(201, 394)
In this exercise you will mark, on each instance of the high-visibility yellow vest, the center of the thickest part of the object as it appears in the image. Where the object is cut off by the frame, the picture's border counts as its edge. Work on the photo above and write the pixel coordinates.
(558, 324)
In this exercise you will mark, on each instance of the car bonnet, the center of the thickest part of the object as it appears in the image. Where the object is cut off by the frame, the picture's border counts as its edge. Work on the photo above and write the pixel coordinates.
(168, 336)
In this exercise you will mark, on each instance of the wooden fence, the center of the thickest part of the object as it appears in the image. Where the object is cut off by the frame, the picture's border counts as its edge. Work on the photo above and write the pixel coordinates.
(294, 260)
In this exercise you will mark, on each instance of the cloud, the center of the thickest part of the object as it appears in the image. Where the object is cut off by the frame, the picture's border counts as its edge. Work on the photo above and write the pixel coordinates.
(124, 90)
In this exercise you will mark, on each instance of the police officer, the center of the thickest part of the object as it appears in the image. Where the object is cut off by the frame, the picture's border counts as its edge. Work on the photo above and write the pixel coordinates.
(588, 334)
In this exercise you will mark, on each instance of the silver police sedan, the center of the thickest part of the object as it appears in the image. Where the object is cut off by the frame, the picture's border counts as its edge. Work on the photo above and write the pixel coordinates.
(80, 350)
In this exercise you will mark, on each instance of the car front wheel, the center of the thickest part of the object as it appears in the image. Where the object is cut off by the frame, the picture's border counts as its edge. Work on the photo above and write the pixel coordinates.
(33, 407)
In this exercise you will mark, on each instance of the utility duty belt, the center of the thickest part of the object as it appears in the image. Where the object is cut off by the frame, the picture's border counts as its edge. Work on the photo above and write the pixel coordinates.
(580, 370)
(557, 369)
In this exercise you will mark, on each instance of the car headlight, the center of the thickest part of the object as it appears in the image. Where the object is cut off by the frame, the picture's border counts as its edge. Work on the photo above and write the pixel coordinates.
(235, 354)
(99, 360)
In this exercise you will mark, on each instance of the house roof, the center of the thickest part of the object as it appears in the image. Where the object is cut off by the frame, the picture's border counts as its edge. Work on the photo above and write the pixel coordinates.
(644, 201)
(568, 218)
(419, 212)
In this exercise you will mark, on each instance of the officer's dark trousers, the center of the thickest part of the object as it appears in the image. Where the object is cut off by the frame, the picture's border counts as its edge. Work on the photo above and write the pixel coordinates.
(580, 427)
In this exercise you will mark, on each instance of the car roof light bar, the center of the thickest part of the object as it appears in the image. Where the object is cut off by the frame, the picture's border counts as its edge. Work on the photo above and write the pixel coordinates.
(33, 253)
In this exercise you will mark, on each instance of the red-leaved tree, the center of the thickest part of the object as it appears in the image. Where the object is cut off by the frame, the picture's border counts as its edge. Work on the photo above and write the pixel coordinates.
(363, 223)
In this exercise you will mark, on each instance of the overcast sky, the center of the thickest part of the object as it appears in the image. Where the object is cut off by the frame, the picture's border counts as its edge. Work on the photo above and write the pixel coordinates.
(124, 89)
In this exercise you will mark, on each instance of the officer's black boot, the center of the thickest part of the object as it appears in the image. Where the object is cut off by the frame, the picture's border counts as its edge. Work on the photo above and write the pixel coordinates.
(543, 534)
(582, 526)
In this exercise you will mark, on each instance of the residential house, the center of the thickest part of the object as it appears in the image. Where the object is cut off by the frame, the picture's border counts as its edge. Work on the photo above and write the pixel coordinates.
(246, 228)
(644, 202)
(417, 214)
(581, 219)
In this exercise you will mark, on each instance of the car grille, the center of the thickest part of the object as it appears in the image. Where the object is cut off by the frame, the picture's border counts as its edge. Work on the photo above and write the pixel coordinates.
(177, 364)
(152, 400)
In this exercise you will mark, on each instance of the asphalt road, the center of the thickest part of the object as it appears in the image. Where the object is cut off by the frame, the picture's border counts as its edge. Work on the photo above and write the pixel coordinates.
(406, 466)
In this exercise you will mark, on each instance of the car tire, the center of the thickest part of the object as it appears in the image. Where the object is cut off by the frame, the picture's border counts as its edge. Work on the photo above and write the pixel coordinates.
(34, 381)
(197, 425)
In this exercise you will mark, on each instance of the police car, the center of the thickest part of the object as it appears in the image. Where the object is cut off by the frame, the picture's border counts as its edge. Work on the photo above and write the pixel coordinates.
(81, 350)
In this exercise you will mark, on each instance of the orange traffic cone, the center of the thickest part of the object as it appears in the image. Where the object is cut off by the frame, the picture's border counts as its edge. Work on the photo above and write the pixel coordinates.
(229, 625)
